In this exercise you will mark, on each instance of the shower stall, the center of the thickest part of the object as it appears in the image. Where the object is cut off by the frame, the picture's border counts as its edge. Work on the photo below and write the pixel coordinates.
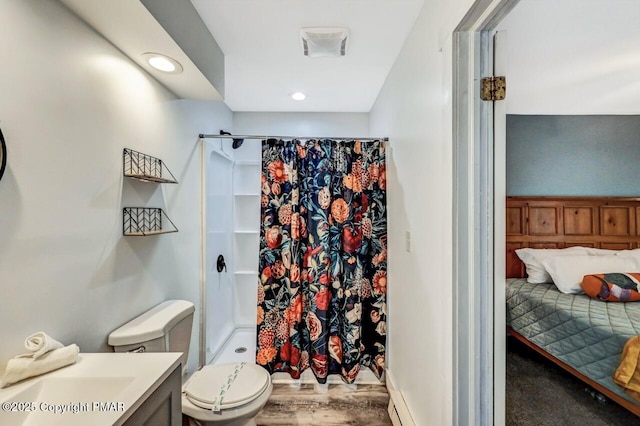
(231, 220)
(231, 196)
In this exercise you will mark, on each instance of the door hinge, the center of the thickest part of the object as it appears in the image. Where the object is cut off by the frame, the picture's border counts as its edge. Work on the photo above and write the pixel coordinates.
(493, 88)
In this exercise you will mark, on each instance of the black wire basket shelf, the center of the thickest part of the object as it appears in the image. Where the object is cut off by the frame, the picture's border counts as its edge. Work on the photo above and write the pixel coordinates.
(146, 168)
(144, 221)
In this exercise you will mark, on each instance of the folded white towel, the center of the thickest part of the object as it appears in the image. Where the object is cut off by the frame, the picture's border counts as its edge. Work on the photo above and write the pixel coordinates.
(23, 367)
(40, 343)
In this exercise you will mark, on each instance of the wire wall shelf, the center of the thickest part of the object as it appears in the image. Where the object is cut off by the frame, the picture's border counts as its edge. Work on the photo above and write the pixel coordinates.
(143, 221)
(146, 168)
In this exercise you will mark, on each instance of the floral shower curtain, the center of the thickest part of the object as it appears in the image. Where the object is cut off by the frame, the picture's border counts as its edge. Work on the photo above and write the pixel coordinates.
(323, 258)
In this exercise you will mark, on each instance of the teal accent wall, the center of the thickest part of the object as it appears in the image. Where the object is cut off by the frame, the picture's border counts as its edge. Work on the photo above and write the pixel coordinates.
(579, 155)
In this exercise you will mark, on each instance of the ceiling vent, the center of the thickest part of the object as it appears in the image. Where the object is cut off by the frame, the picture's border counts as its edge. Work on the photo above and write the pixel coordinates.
(324, 42)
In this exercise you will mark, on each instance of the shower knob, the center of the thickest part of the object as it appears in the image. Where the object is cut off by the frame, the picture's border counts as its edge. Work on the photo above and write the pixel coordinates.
(220, 265)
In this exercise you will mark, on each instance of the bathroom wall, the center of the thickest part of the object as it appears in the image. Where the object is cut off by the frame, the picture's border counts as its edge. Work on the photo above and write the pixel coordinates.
(70, 103)
(414, 110)
(296, 124)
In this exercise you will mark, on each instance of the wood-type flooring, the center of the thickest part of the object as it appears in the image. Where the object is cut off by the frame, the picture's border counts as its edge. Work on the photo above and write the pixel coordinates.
(339, 405)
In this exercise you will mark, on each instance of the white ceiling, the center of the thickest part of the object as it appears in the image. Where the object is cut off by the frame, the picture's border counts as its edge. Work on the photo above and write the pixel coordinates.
(130, 27)
(263, 55)
(264, 62)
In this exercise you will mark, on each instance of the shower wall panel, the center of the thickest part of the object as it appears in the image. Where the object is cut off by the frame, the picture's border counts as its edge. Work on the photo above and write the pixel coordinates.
(219, 289)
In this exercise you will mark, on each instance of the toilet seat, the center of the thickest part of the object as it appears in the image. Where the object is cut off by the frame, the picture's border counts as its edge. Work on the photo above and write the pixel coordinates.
(227, 385)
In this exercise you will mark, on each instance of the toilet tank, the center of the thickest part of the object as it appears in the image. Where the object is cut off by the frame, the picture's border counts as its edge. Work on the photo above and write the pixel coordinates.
(164, 328)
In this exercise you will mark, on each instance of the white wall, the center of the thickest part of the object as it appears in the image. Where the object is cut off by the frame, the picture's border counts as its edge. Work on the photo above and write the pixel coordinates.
(573, 57)
(70, 103)
(325, 124)
(414, 110)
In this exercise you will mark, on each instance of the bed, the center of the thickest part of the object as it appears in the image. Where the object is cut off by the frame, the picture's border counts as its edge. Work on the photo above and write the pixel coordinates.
(583, 335)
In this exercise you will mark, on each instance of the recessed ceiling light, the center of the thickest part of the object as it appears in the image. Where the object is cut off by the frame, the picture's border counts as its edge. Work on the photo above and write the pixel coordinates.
(163, 63)
(298, 96)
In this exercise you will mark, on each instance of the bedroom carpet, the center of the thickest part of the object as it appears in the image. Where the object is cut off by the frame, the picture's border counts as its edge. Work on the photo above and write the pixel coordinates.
(540, 393)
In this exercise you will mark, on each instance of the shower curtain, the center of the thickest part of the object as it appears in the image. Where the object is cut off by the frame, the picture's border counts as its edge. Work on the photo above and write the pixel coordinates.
(323, 258)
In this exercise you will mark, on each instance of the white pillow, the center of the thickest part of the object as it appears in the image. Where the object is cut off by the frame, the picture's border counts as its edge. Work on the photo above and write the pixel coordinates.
(601, 252)
(632, 254)
(532, 259)
(567, 271)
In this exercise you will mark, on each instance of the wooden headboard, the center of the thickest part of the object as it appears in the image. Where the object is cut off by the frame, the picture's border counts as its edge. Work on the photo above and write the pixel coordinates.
(559, 222)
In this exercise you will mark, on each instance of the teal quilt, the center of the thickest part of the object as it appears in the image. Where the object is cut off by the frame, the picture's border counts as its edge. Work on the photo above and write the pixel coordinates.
(585, 333)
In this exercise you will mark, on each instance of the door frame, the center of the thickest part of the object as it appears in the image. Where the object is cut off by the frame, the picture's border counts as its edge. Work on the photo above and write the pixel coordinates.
(478, 364)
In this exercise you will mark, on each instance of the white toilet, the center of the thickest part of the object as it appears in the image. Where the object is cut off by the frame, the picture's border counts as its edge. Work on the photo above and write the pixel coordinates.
(226, 394)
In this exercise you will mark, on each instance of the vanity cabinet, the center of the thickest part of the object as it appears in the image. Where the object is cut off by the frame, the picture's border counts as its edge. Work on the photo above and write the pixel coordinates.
(164, 406)
(101, 389)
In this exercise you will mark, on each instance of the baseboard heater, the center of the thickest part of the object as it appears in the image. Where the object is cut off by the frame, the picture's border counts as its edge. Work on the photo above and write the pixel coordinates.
(398, 410)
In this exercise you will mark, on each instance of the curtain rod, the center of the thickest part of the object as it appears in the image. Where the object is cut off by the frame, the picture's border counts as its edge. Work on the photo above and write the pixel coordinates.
(203, 136)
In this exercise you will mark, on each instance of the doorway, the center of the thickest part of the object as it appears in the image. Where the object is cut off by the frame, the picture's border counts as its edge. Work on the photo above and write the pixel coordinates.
(483, 181)
(479, 190)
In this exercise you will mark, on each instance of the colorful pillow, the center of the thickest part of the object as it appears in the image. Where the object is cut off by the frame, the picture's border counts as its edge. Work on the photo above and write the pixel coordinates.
(613, 287)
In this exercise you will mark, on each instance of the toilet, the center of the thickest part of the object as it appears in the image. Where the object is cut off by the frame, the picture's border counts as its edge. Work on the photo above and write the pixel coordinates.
(227, 394)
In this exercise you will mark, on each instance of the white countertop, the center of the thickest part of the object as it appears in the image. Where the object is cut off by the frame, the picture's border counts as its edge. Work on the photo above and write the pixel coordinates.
(105, 389)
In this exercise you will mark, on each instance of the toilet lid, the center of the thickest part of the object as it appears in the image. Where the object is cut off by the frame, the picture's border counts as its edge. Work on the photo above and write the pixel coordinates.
(226, 385)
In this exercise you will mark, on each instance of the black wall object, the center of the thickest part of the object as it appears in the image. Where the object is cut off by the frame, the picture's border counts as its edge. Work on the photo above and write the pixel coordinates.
(3, 155)
(220, 264)
(237, 143)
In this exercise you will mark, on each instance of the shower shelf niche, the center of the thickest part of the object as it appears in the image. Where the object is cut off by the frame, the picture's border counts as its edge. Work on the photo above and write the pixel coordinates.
(144, 221)
(246, 180)
(246, 223)
(246, 213)
(145, 168)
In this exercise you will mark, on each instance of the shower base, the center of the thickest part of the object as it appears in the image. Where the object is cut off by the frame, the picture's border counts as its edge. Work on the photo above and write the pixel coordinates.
(240, 346)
